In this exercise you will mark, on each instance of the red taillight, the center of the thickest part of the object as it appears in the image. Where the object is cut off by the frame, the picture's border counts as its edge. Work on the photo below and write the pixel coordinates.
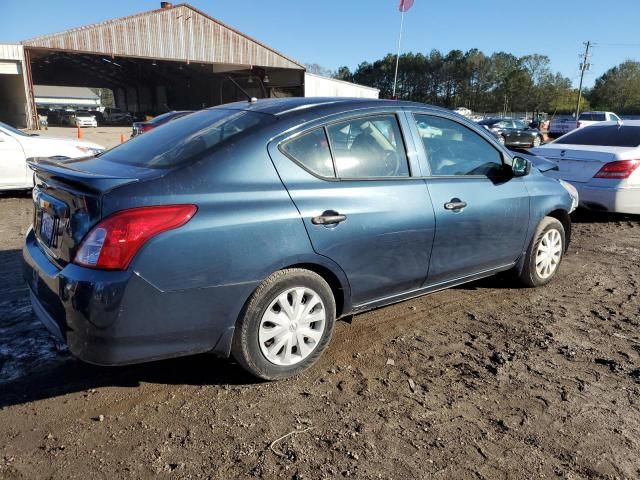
(145, 128)
(112, 243)
(619, 169)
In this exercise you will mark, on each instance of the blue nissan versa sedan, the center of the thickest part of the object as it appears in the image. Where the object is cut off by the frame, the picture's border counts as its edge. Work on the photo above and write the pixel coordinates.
(248, 229)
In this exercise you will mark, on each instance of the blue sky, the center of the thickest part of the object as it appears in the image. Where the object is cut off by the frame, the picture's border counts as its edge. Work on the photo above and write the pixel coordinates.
(342, 32)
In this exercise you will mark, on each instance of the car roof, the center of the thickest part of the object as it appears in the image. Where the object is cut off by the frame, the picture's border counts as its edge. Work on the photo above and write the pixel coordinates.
(284, 107)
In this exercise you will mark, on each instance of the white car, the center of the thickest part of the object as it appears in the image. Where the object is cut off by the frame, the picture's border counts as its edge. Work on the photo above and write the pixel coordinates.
(16, 147)
(586, 119)
(85, 119)
(603, 163)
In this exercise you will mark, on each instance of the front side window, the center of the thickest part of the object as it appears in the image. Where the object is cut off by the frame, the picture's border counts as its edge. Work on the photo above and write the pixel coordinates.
(520, 125)
(453, 149)
(311, 150)
(368, 147)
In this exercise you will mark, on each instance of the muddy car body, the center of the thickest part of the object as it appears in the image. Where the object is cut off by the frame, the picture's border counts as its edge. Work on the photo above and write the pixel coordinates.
(248, 229)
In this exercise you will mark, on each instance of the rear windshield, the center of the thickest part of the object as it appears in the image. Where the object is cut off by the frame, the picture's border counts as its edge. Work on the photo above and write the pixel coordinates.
(186, 139)
(604, 136)
(592, 117)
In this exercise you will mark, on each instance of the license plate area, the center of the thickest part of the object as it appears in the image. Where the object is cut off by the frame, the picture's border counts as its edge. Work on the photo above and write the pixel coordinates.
(48, 225)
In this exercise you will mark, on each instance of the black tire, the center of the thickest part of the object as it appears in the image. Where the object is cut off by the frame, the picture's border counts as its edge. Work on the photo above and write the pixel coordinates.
(529, 276)
(246, 344)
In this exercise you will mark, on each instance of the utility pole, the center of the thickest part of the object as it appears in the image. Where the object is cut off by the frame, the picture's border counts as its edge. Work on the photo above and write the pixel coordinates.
(584, 66)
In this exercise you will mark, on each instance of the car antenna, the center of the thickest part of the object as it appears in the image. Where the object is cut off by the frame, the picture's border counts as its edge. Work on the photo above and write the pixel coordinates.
(244, 92)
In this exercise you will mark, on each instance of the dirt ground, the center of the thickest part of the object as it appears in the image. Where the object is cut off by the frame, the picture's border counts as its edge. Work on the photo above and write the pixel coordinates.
(483, 381)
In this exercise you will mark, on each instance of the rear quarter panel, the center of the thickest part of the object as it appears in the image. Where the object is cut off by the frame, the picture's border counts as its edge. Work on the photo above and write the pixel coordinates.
(246, 227)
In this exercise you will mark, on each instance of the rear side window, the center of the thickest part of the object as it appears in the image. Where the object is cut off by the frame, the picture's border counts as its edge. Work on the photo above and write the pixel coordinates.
(368, 147)
(603, 136)
(187, 139)
(311, 150)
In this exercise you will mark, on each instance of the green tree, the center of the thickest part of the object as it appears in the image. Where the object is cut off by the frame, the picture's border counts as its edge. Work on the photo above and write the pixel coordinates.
(618, 89)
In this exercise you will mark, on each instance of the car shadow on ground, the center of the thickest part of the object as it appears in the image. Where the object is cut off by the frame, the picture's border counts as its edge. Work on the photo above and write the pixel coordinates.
(66, 375)
(15, 194)
(582, 215)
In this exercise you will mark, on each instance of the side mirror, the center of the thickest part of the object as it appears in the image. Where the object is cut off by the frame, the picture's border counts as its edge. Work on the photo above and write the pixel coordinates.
(520, 167)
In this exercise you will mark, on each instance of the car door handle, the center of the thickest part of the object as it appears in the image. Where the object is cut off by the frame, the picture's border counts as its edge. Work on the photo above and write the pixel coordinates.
(455, 204)
(330, 217)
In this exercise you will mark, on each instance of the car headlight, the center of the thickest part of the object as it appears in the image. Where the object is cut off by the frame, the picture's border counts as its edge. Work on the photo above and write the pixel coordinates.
(90, 150)
(575, 197)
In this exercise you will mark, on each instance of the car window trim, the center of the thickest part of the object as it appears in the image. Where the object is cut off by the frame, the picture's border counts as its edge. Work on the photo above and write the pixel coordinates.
(482, 134)
(336, 178)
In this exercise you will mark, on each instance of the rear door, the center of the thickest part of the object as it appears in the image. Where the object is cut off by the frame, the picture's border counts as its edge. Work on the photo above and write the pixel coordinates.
(13, 165)
(352, 183)
(482, 212)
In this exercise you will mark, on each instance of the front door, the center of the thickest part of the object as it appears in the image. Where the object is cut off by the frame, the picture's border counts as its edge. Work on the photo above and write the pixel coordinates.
(482, 212)
(351, 182)
(13, 167)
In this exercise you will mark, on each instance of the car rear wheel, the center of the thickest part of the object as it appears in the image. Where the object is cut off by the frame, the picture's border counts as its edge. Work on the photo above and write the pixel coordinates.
(544, 254)
(286, 324)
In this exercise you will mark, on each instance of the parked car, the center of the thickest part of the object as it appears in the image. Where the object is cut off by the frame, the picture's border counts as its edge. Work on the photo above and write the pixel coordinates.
(465, 112)
(16, 147)
(248, 229)
(85, 119)
(603, 163)
(513, 133)
(591, 118)
(561, 125)
(141, 127)
(116, 116)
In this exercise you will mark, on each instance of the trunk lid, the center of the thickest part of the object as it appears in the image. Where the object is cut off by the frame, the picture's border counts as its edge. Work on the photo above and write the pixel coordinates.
(579, 164)
(68, 198)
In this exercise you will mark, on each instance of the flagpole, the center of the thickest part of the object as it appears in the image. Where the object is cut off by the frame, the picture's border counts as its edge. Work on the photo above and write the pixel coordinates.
(395, 78)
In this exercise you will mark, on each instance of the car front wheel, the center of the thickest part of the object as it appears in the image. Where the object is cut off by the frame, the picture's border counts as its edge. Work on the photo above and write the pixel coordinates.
(286, 324)
(537, 141)
(544, 254)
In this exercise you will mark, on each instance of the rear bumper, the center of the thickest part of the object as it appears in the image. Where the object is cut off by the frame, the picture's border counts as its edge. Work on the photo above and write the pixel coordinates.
(609, 199)
(116, 318)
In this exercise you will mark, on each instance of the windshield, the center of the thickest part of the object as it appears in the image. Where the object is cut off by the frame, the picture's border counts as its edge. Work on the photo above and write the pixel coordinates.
(15, 131)
(186, 139)
(603, 136)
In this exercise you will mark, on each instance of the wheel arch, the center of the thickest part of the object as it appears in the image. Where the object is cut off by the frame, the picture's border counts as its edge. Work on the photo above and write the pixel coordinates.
(341, 292)
(563, 217)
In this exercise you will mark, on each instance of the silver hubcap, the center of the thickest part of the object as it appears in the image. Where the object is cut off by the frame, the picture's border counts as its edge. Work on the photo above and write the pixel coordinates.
(536, 142)
(292, 326)
(549, 253)
(501, 140)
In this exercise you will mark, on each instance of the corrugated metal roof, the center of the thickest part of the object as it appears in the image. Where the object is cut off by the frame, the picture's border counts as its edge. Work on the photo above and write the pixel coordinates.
(51, 91)
(181, 33)
(10, 51)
